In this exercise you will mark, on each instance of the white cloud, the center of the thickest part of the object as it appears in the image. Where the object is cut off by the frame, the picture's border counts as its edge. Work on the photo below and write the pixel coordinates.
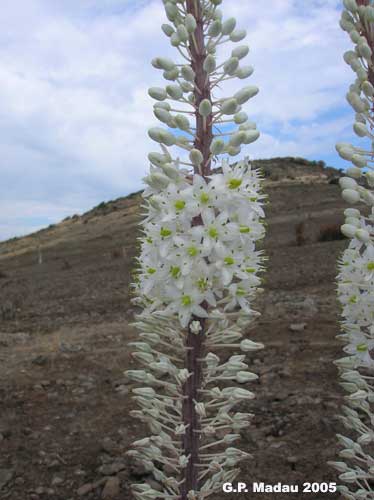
(74, 109)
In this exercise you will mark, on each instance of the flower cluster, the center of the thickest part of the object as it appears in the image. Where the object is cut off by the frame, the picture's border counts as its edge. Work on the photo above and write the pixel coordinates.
(356, 269)
(198, 269)
(183, 265)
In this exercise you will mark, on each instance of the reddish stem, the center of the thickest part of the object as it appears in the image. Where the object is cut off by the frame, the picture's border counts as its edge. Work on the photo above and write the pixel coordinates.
(195, 342)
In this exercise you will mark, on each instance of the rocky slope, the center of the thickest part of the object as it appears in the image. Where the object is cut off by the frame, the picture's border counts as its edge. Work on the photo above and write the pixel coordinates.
(64, 326)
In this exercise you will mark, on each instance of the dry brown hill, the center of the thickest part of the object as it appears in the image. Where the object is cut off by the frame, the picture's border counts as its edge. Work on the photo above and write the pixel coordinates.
(64, 422)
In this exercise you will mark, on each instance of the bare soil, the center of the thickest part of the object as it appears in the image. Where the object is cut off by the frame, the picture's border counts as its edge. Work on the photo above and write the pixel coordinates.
(64, 329)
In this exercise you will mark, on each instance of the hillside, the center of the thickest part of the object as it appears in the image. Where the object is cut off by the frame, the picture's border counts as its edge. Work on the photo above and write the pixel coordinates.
(64, 327)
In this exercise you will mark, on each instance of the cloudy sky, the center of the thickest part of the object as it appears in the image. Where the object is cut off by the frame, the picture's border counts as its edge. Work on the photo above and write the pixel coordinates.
(74, 109)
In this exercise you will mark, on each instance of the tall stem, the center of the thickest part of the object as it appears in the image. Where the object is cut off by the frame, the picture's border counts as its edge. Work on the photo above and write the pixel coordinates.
(195, 342)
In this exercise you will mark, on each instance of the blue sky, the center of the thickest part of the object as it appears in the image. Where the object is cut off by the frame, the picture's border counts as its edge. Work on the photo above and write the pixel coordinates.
(74, 109)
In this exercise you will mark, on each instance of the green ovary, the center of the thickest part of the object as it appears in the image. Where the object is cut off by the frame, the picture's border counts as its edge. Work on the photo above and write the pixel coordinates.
(175, 271)
(213, 233)
(151, 270)
(234, 183)
(250, 270)
(202, 284)
(370, 266)
(361, 347)
(229, 261)
(244, 229)
(186, 300)
(180, 204)
(165, 232)
(204, 198)
(192, 251)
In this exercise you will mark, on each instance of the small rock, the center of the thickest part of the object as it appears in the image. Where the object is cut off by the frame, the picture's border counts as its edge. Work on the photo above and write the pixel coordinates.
(297, 327)
(138, 469)
(83, 490)
(109, 445)
(40, 360)
(111, 488)
(39, 490)
(122, 389)
(110, 469)
(56, 481)
(5, 476)
(19, 481)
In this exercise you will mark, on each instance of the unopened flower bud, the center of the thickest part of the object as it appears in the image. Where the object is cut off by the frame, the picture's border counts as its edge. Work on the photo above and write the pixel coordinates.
(228, 26)
(157, 93)
(209, 63)
(360, 129)
(196, 157)
(229, 106)
(245, 94)
(215, 28)
(190, 23)
(188, 73)
(249, 346)
(231, 66)
(205, 107)
(351, 196)
(182, 33)
(167, 29)
(244, 72)
(217, 147)
(238, 35)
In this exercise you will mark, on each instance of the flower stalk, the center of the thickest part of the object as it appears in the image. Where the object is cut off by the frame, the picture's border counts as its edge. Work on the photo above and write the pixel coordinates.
(198, 267)
(356, 276)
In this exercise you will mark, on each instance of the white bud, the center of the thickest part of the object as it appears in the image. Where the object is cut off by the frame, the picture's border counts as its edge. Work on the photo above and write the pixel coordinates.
(188, 73)
(238, 35)
(215, 28)
(174, 91)
(229, 106)
(205, 107)
(244, 72)
(228, 26)
(217, 147)
(243, 377)
(145, 392)
(368, 89)
(352, 212)
(249, 346)
(167, 29)
(196, 157)
(163, 63)
(182, 33)
(364, 236)
(350, 196)
(240, 118)
(175, 40)
(350, 5)
(348, 230)
(171, 11)
(245, 94)
(354, 172)
(231, 66)
(238, 138)
(172, 74)
(360, 129)
(359, 160)
(240, 52)
(182, 122)
(209, 63)
(190, 23)
(347, 183)
(157, 93)
(163, 115)
(162, 136)
(251, 136)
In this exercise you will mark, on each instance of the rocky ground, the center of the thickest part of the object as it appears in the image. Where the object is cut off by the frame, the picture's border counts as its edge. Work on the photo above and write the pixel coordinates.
(64, 329)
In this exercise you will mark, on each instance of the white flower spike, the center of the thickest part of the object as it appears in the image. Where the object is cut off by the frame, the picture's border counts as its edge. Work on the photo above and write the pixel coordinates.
(356, 276)
(198, 269)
